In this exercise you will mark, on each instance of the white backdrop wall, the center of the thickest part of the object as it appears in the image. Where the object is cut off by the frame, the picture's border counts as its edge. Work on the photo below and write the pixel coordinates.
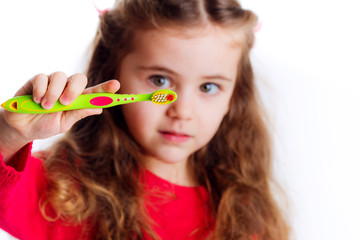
(306, 60)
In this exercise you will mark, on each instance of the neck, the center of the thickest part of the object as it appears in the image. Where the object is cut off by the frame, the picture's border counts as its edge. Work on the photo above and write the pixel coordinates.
(176, 173)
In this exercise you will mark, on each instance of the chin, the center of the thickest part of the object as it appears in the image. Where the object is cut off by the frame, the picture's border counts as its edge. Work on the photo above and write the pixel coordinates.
(171, 157)
(168, 160)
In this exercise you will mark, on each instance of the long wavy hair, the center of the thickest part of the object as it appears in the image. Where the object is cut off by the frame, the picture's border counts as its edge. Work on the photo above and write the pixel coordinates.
(94, 170)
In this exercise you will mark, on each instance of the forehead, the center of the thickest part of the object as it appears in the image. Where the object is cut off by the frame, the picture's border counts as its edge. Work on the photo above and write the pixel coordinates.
(191, 53)
(225, 36)
(208, 46)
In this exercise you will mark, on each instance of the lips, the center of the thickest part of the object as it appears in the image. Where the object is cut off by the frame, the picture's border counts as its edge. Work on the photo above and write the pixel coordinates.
(175, 137)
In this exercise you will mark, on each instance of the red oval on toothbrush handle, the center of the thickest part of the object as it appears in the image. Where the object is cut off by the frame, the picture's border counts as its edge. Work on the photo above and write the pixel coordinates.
(101, 101)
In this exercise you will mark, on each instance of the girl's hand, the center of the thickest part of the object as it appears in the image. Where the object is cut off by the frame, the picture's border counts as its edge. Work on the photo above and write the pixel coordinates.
(19, 129)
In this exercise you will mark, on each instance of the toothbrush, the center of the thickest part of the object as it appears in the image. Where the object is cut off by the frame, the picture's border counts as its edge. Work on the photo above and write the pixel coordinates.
(25, 104)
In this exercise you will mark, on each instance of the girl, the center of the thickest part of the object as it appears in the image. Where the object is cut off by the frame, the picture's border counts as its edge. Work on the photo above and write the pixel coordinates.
(194, 169)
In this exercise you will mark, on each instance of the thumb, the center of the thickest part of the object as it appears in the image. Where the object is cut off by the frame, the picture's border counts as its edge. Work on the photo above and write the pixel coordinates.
(71, 117)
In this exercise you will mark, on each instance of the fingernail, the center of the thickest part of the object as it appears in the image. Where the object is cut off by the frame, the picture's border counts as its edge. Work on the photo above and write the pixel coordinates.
(36, 99)
(46, 105)
(64, 101)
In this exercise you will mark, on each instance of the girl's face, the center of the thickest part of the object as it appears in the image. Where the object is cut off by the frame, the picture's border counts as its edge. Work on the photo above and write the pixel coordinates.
(200, 66)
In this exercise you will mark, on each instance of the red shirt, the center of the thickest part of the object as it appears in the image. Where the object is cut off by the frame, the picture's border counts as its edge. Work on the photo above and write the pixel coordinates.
(178, 212)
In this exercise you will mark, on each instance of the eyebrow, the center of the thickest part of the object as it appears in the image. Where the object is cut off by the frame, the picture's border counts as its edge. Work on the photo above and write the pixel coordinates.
(157, 68)
(217, 77)
(166, 70)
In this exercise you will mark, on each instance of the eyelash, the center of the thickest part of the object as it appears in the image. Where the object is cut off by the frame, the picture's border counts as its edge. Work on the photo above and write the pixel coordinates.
(207, 84)
(153, 78)
(202, 87)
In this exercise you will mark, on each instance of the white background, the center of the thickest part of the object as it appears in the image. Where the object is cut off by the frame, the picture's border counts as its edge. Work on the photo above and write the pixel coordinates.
(306, 59)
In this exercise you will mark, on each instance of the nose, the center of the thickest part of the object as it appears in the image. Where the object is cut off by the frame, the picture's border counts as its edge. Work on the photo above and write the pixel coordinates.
(182, 108)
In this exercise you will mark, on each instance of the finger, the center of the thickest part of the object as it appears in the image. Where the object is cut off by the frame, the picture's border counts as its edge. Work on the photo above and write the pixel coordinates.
(39, 86)
(111, 86)
(83, 113)
(36, 86)
(57, 83)
(71, 117)
(75, 86)
(26, 89)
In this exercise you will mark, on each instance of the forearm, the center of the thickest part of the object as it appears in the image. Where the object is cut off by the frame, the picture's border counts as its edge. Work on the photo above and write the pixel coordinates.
(10, 140)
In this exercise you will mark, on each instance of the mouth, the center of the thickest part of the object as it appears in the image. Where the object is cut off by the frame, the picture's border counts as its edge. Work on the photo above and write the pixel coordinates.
(175, 137)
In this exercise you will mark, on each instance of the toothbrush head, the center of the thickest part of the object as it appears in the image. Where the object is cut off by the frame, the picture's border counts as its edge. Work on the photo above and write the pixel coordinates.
(163, 96)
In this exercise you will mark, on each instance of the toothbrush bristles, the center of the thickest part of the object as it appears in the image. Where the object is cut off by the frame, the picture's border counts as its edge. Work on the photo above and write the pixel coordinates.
(163, 97)
(160, 98)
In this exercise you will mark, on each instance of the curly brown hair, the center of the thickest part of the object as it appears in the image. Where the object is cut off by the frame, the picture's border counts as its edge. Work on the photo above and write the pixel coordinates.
(94, 170)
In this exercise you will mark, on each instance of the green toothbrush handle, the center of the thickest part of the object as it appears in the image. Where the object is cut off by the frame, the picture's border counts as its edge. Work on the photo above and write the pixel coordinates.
(25, 104)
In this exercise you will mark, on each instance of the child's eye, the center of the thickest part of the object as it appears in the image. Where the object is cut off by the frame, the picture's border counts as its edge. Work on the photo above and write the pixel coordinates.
(209, 88)
(160, 81)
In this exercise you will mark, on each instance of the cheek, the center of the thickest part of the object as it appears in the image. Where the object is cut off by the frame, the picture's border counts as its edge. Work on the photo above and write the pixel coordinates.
(132, 121)
(209, 125)
(140, 117)
(215, 112)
